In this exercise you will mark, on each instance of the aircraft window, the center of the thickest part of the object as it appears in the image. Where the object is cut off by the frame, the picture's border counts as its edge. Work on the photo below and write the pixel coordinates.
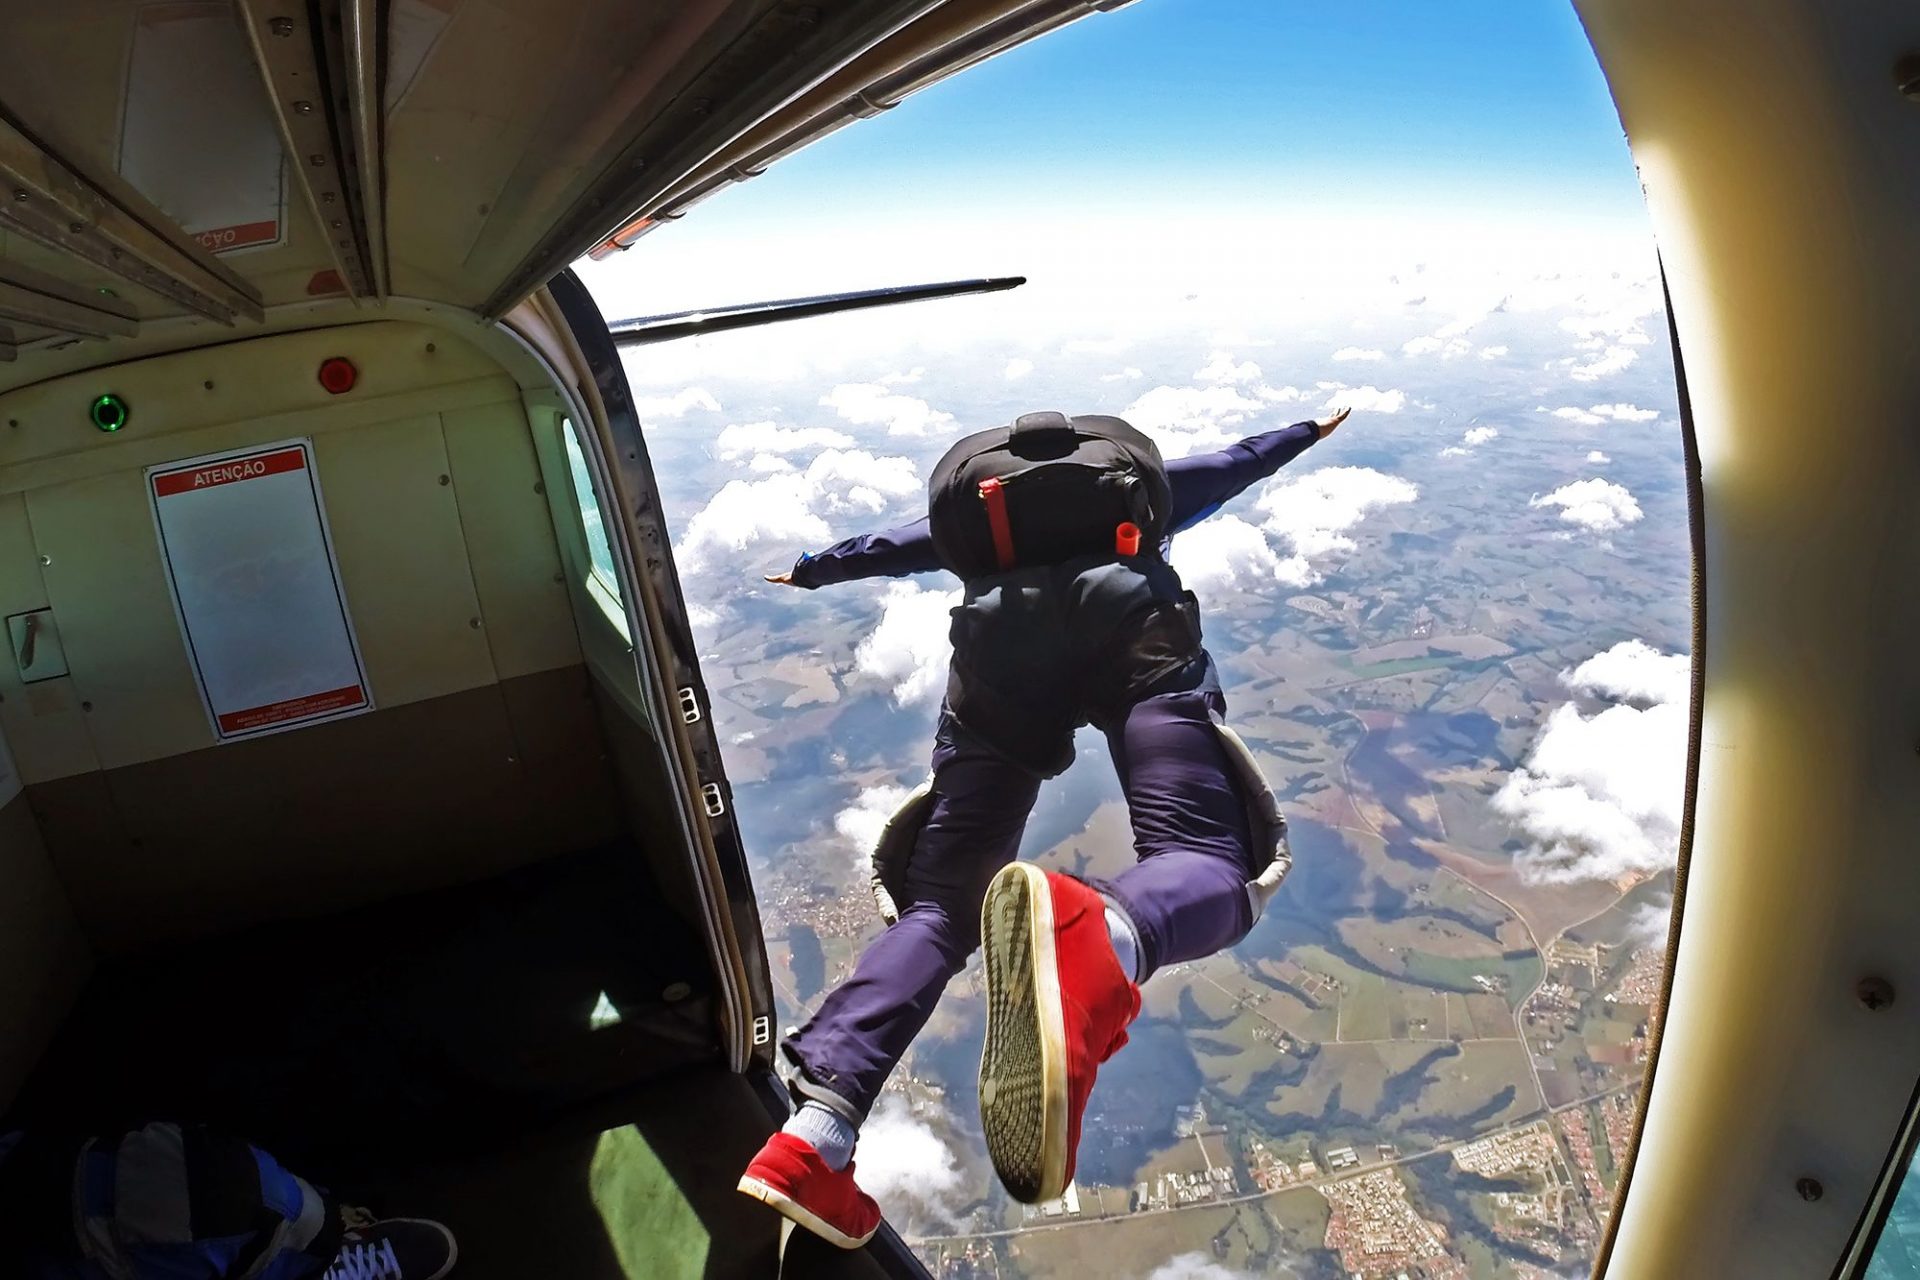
(599, 550)
(1896, 1254)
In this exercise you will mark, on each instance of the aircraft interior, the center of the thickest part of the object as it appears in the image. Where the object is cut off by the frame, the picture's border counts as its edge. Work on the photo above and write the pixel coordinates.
(421, 869)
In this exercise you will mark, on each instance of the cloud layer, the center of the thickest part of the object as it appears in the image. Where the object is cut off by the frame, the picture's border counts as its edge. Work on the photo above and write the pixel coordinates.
(868, 404)
(1225, 553)
(1314, 511)
(909, 648)
(1601, 795)
(1600, 506)
(904, 1163)
(789, 510)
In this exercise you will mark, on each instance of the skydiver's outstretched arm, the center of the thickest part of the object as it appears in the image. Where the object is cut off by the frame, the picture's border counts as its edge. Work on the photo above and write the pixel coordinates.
(1201, 482)
(893, 553)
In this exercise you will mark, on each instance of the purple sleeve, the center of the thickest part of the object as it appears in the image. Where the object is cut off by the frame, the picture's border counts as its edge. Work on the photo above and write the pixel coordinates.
(893, 553)
(1201, 482)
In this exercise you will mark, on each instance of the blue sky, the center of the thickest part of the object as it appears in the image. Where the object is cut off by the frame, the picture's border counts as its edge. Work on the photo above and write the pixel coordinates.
(1160, 123)
(1256, 99)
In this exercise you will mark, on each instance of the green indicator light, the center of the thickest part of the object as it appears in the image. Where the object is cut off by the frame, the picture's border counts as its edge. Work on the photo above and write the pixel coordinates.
(109, 413)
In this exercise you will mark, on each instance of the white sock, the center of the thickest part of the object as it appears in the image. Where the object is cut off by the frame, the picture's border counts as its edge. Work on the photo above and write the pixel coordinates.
(1126, 943)
(831, 1134)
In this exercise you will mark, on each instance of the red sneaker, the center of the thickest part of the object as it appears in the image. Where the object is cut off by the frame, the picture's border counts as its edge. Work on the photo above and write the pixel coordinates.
(1058, 1006)
(790, 1175)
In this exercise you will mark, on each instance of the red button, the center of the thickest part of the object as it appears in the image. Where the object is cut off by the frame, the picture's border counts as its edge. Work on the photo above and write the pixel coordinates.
(338, 375)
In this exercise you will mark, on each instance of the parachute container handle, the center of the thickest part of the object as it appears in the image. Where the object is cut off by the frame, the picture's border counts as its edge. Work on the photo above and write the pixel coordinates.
(993, 492)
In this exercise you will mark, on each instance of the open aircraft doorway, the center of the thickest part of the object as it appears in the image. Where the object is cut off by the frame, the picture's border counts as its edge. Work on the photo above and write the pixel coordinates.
(1454, 633)
(371, 727)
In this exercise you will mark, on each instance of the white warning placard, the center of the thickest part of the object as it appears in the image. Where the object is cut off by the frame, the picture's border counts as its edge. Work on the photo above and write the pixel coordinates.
(250, 562)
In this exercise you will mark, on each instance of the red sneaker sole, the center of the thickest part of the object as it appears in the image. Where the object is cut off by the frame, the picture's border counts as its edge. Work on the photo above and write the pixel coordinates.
(795, 1212)
(1023, 1069)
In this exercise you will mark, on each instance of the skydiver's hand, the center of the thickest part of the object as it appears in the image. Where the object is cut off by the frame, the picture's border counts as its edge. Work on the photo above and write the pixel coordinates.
(780, 579)
(1324, 427)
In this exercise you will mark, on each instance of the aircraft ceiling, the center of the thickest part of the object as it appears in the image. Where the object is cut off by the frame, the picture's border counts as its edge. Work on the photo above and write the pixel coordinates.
(172, 171)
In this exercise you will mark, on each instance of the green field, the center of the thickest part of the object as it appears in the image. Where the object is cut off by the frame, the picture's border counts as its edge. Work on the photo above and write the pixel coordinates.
(1456, 973)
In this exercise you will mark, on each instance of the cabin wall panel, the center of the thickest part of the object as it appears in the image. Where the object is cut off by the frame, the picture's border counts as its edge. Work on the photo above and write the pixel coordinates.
(42, 720)
(108, 590)
(44, 957)
(403, 560)
(510, 540)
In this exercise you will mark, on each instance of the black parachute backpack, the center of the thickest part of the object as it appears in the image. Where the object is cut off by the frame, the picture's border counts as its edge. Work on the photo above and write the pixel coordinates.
(1046, 489)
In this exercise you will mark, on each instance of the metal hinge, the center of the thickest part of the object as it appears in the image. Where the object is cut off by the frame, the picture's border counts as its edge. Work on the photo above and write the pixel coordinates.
(689, 706)
(716, 804)
(762, 1029)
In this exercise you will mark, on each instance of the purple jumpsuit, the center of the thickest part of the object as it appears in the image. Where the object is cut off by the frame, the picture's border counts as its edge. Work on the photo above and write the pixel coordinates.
(1186, 895)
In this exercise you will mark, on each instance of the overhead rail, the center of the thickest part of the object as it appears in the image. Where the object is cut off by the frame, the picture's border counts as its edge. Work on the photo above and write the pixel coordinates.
(948, 40)
(781, 54)
(363, 54)
(310, 56)
(646, 330)
(38, 300)
(97, 217)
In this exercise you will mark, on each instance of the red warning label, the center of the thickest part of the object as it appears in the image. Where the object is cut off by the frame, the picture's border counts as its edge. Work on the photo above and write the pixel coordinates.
(229, 472)
(314, 704)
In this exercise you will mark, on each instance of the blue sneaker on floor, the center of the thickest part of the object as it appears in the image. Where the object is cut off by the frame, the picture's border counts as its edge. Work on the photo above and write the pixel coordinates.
(392, 1249)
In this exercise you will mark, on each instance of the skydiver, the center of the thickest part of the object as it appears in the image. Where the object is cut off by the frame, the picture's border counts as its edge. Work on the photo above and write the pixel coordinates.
(1071, 615)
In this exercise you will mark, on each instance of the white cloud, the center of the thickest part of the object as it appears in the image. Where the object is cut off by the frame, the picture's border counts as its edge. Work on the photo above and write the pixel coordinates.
(1181, 419)
(789, 510)
(1220, 367)
(909, 647)
(1648, 925)
(1595, 456)
(1471, 440)
(1359, 353)
(1492, 353)
(1601, 795)
(765, 437)
(1581, 416)
(1598, 505)
(766, 463)
(1195, 1266)
(911, 376)
(677, 405)
(1228, 554)
(1313, 512)
(1447, 348)
(861, 822)
(1128, 374)
(1367, 399)
(904, 1164)
(1633, 671)
(1017, 368)
(867, 403)
(1626, 412)
(1611, 361)
(1600, 413)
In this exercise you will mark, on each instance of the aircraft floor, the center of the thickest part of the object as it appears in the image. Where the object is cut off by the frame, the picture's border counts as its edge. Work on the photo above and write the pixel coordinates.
(528, 1059)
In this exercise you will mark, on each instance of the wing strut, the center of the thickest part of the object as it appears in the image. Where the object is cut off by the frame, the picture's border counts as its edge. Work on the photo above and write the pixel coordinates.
(645, 330)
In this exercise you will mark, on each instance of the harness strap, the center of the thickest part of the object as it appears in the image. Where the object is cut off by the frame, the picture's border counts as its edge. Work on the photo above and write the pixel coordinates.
(993, 493)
